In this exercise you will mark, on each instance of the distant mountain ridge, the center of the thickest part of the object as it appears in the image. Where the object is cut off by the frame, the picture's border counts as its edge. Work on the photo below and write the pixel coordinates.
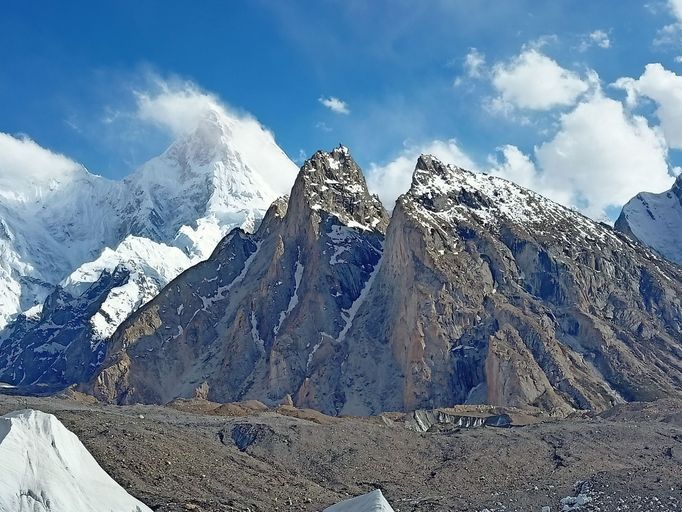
(76, 230)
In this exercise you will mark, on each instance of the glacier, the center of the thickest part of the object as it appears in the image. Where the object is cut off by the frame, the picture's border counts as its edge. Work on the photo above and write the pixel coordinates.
(45, 467)
(370, 502)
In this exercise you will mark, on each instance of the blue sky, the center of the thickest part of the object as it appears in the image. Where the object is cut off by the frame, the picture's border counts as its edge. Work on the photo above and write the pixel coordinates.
(409, 74)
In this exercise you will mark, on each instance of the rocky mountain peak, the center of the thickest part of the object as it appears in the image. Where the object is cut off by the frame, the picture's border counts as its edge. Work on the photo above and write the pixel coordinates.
(332, 183)
(438, 184)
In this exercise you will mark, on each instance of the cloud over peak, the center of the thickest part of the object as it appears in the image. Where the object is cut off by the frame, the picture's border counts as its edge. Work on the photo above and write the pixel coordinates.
(26, 168)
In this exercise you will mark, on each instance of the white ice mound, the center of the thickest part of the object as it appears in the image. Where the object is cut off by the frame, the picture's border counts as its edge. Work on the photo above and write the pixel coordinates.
(45, 468)
(371, 502)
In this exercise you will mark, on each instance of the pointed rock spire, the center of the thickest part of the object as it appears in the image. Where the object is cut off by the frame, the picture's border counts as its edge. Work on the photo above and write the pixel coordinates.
(333, 183)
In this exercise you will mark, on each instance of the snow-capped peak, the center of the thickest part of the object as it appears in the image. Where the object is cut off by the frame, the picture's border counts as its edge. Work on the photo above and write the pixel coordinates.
(223, 173)
(656, 220)
(45, 467)
(450, 192)
(219, 172)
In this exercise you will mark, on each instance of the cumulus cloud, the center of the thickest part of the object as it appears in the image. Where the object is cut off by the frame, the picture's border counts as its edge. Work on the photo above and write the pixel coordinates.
(26, 168)
(664, 87)
(602, 157)
(335, 105)
(534, 81)
(597, 38)
(392, 179)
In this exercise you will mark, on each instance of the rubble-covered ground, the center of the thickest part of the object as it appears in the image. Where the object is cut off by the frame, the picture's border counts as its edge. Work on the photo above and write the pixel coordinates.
(195, 457)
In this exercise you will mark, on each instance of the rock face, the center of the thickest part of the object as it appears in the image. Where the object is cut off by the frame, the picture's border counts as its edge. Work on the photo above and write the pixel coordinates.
(67, 239)
(656, 221)
(58, 344)
(265, 310)
(478, 291)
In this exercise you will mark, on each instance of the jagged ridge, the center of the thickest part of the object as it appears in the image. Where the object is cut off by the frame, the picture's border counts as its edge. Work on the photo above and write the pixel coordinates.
(482, 291)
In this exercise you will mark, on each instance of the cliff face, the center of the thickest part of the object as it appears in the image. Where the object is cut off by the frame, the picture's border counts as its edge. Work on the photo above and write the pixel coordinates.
(253, 320)
(505, 297)
(478, 291)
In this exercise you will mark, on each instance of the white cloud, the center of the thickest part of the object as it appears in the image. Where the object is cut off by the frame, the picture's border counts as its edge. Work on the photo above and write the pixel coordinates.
(671, 34)
(335, 105)
(664, 87)
(597, 38)
(474, 63)
(675, 7)
(600, 157)
(603, 156)
(26, 168)
(536, 82)
(394, 178)
(514, 165)
(176, 106)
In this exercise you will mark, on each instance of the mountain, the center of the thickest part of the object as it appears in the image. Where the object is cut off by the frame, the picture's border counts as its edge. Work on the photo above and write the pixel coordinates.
(45, 467)
(49, 225)
(476, 291)
(656, 221)
(261, 312)
(80, 253)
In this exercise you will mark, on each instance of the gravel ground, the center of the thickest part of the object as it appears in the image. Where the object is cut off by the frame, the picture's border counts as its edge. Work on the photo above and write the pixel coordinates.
(629, 459)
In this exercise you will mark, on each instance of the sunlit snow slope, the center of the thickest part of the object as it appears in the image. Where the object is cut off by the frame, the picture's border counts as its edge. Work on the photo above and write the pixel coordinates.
(76, 230)
(371, 502)
(44, 467)
(656, 220)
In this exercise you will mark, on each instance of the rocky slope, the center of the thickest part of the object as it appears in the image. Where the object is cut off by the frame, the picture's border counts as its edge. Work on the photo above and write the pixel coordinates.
(517, 300)
(78, 231)
(478, 291)
(656, 220)
(276, 460)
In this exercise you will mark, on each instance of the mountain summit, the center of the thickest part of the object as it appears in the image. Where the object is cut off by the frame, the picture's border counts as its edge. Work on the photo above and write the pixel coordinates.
(265, 310)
